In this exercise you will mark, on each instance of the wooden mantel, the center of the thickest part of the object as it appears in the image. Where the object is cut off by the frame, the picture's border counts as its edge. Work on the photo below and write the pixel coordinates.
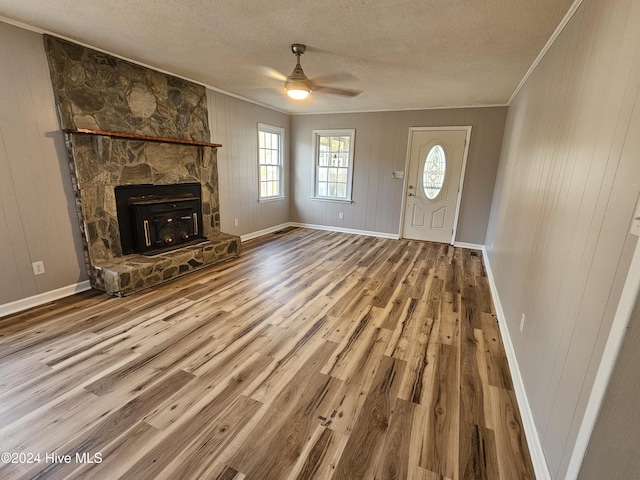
(134, 136)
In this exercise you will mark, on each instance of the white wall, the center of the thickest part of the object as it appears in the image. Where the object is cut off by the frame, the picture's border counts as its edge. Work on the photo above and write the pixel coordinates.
(567, 185)
(37, 213)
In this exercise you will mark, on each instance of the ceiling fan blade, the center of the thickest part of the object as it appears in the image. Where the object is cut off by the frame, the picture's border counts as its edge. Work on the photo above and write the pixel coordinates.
(334, 78)
(272, 73)
(336, 91)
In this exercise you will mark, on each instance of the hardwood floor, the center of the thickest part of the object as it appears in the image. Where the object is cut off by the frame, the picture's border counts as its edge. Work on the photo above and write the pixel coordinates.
(313, 355)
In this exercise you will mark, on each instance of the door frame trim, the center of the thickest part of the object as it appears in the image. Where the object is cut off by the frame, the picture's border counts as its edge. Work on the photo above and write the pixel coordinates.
(617, 333)
(413, 130)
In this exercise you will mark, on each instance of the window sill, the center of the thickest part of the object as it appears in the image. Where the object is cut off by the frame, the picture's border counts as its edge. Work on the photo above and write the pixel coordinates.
(332, 200)
(271, 199)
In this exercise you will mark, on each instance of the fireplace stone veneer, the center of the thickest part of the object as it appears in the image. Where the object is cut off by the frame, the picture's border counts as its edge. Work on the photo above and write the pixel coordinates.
(125, 124)
(98, 168)
(128, 274)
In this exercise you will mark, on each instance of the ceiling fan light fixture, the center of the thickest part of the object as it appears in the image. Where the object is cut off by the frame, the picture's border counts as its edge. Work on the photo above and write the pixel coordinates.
(298, 93)
(297, 85)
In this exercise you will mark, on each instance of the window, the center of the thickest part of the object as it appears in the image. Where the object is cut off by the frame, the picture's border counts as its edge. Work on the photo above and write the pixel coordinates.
(433, 172)
(333, 164)
(270, 161)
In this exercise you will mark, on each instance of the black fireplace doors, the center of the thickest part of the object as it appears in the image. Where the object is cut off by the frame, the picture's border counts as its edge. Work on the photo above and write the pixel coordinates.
(157, 218)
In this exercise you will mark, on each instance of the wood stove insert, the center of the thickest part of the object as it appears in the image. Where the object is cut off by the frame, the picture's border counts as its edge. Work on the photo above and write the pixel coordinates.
(157, 218)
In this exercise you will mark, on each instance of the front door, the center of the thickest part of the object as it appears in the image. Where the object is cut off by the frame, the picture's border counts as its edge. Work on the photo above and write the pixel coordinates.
(436, 159)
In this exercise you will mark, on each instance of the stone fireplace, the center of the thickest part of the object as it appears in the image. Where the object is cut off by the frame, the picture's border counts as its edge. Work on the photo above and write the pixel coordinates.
(143, 168)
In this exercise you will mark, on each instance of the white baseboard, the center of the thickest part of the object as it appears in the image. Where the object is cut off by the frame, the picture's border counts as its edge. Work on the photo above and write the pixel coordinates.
(42, 298)
(531, 432)
(471, 246)
(266, 231)
(330, 228)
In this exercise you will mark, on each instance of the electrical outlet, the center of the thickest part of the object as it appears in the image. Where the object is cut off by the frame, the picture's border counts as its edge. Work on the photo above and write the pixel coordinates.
(341, 215)
(38, 267)
(235, 222)
(522, 320)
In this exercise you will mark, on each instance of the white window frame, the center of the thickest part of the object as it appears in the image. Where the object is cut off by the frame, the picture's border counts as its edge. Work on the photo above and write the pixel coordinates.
(344, 132)
(263, 127)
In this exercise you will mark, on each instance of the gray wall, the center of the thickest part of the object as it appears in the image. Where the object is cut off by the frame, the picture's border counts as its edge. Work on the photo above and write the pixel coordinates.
(37, 214)
(567, 185)
(234, 124)
(380, 148)
(613, 448)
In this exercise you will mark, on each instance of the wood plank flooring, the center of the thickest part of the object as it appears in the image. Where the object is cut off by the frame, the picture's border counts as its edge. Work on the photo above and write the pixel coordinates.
(313, 355)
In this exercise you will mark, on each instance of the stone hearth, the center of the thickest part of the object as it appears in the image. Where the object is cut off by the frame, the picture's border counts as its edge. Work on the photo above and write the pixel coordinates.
(110, 96)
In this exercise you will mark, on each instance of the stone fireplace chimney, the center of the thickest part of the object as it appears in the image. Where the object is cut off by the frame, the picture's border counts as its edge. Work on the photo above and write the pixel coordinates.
(128, 125)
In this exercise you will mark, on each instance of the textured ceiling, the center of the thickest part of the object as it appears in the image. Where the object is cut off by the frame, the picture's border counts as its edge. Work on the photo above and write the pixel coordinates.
(401, 54)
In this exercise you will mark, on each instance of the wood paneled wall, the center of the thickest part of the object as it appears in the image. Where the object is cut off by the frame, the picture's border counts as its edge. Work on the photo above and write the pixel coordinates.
(381, 148)
(37, 214)
(567, 185)
(234, 124)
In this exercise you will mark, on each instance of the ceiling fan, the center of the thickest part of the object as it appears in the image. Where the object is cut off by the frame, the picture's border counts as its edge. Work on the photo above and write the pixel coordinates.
(298, 86)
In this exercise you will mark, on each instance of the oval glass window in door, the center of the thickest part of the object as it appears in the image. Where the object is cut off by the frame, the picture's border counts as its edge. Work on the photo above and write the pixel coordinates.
(433, 172)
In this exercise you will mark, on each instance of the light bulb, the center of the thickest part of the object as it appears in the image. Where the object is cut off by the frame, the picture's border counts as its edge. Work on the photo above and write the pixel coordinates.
(298, 94)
